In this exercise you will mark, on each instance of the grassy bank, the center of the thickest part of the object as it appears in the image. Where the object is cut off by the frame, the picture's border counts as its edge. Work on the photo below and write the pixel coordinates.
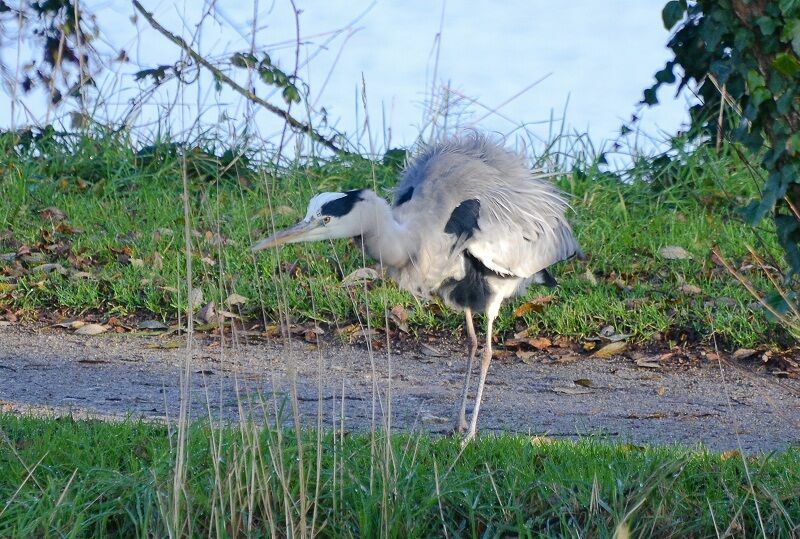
(116, 237)
(80, 478)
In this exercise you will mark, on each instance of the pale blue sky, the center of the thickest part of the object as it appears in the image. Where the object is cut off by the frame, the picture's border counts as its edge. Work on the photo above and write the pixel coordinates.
(600, 55)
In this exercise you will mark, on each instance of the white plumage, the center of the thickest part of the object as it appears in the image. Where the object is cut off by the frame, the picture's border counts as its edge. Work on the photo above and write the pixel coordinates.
(470, 222)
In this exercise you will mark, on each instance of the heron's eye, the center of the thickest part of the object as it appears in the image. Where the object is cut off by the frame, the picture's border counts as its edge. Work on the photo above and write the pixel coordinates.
(326, 220)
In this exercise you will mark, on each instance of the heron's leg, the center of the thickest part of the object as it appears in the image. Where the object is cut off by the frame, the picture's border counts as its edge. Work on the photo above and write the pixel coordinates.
(461, 422)
(487, 358)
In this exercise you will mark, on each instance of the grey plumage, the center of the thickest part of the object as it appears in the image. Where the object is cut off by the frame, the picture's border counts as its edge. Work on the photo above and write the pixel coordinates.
(470, 223)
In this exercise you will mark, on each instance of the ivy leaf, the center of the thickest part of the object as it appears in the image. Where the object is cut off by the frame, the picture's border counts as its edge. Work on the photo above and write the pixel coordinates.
(766, 25)
(791, 33)
(786, 64)
(672, 13)
(650, 96)
(793, 145)
(789, 8)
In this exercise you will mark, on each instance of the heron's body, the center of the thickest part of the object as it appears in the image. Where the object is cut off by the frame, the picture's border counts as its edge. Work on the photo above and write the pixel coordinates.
(470, 223)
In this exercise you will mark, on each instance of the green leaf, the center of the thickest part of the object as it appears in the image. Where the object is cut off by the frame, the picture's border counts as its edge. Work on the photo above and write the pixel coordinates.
(672, 13)
(791, 34)
(754, 80)
(789, 8)
(759, 95)
(786, 64)
(793, 145)
(650, 96)
(767, 25)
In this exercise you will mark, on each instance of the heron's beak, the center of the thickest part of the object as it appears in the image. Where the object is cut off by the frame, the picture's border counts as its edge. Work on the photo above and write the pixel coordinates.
(292, 234)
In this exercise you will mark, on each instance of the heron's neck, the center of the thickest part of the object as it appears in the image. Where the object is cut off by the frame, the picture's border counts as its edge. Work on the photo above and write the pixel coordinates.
(385, 240)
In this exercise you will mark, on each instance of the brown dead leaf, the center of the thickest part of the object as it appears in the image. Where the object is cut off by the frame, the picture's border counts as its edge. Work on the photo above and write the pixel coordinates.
(540, 343)
(673, 252)
(399, 316)
(91, 329)
(611, 349)
(52, 214)
(661, 391)
(158, 261)
(359, 277)
(535, 305)
(155, 325)
(208, 313)
(588, 346)
(166, 345)
(527, 356)
(648, 363)
(430, 351)
(51, 268)
(195, 298)
(730, 454)
(690, 289)
(235, 299)
(743, 353)
(583, 382)
(571, 390)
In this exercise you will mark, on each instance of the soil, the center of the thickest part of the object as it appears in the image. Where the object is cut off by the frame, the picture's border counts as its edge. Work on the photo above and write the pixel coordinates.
(722, 404)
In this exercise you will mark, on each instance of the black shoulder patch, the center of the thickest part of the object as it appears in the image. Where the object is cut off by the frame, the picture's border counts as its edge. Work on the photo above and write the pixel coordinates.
(341, 206)
(405, 197)
(464, 219)
(545, 278)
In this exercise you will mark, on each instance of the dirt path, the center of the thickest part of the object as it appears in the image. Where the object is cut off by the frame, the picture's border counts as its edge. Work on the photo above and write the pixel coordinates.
(50, 370)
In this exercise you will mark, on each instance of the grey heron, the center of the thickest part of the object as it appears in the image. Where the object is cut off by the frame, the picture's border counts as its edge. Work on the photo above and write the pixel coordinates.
(470, 222)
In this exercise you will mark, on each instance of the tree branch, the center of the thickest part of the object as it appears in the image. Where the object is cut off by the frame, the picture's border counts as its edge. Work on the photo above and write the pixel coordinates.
(222, 77)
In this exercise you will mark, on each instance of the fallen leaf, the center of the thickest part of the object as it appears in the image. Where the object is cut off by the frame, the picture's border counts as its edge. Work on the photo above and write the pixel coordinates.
(647, 363)
(540, 343)
(359, 277)
(535, 305)
(208, 313)
(589, 276)
(571, 390)
(158, 261)
(661, 391)
(51, 268)
(166, 345)
(588, 346)
(583, 382)
(673, 252)
(732, 453)
(690, 289)
(137, 262)
(542, 440)
(152, 325)
(235, 299)
(611, 349)
(285, 211)
(743, 353)
(53, 214)
(527, 356)
(399, 316)
(430, 351)
(91, 329)
(228, 314)
(7, 287)
(365, 333)
(195, 298)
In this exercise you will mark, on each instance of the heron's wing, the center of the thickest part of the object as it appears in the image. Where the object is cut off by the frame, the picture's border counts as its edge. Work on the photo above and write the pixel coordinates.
(470, 194)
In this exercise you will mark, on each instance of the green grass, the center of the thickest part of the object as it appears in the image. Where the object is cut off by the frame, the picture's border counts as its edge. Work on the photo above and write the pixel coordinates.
(89, 478)
(128, 212)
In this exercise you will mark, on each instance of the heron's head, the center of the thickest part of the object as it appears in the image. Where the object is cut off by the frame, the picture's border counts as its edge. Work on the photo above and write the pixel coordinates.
(329, 216)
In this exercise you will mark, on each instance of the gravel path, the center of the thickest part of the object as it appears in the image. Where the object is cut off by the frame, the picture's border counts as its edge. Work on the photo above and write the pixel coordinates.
(51, 370)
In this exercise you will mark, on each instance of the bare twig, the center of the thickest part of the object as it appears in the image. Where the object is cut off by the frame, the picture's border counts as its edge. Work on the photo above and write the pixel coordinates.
(222, 77)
